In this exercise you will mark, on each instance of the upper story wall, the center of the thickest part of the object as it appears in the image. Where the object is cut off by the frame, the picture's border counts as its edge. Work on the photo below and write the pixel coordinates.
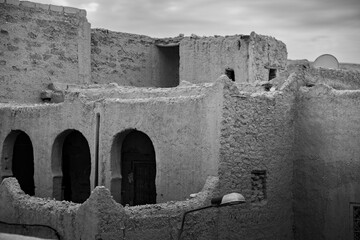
(132, 60)
(41, 44)
(250, 56)
(205, 59)
(265, 54)
(123, 58)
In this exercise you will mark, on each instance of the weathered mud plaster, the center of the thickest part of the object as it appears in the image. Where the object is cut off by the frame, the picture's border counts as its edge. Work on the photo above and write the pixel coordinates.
(43, 123)
(288, 144)
(250, 56)
(101, 217)
(39, 47)
(257, 133)
(126, 59)
(326, 167)
(188, 144)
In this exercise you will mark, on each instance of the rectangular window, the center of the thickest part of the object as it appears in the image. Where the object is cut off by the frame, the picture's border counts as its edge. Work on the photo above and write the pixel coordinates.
(272, 73)
(258, 186)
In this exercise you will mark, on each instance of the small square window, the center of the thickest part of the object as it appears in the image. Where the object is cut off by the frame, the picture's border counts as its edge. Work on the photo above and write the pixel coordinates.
(272, 73)
(258, 186)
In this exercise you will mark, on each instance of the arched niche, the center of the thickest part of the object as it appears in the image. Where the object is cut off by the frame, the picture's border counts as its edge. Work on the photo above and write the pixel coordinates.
(71, 167)
(133, 168)
(17, 160)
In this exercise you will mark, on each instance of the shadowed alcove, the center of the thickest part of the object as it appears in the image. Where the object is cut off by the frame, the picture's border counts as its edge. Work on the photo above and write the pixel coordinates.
(71, 166)
(18, 160)
(133, 169)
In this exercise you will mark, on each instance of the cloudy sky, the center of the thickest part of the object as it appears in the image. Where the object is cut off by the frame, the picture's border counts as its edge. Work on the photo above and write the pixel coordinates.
(308, 27)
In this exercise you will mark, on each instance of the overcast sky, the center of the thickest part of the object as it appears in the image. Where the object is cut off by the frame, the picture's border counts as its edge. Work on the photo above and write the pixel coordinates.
(308, 27)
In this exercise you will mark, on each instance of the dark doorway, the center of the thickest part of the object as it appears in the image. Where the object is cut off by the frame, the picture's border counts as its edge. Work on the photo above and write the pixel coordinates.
(76, 167)
(23, 163)
(169, 63)
(138, 170)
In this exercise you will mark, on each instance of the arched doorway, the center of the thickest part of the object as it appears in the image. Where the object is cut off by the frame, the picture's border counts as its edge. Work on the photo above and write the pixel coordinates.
(76, 167)
(18, 160)
(138, 170)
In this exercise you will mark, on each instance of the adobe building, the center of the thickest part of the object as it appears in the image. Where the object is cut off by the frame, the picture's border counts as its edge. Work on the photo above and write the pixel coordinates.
(108, 134)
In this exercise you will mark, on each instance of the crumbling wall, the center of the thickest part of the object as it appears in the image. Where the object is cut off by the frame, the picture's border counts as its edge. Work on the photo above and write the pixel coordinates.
(265, 53)
(256, 160)
(41, 44)
(326, 167)
(100, 217)
(205, 59)
(43, 123)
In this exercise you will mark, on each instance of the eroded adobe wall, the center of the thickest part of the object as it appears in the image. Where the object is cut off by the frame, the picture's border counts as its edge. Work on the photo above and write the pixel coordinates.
(335, 78)
(101, 217)
(184, 129)
(43, 123)
(265, 53)
(205, 59)
(123, 58)
(326, 168)
(41, 44)
(256, 160)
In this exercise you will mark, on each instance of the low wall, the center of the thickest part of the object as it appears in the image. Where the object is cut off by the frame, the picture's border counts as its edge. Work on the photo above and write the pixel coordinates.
(41, 44)
(337, 79)
(100, 217)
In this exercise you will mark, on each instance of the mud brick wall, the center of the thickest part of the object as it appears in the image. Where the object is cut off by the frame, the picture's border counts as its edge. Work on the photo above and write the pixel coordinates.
(265, 53)
(123, 58)
(257, 136)
(41, 44)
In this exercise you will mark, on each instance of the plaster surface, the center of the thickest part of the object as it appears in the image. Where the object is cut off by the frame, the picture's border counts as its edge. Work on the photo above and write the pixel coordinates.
(38, 47)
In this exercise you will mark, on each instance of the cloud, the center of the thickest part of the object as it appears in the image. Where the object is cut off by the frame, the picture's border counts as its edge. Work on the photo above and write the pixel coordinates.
(90, 7)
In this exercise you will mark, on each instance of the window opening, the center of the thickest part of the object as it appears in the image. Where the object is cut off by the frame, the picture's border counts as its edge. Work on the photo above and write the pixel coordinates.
(272, 73)
(230, 74)
(258, 186)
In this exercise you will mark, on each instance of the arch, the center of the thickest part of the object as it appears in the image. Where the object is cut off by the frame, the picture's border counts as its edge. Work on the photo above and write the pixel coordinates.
(133, 168)
(71, 167)
(17, 160)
